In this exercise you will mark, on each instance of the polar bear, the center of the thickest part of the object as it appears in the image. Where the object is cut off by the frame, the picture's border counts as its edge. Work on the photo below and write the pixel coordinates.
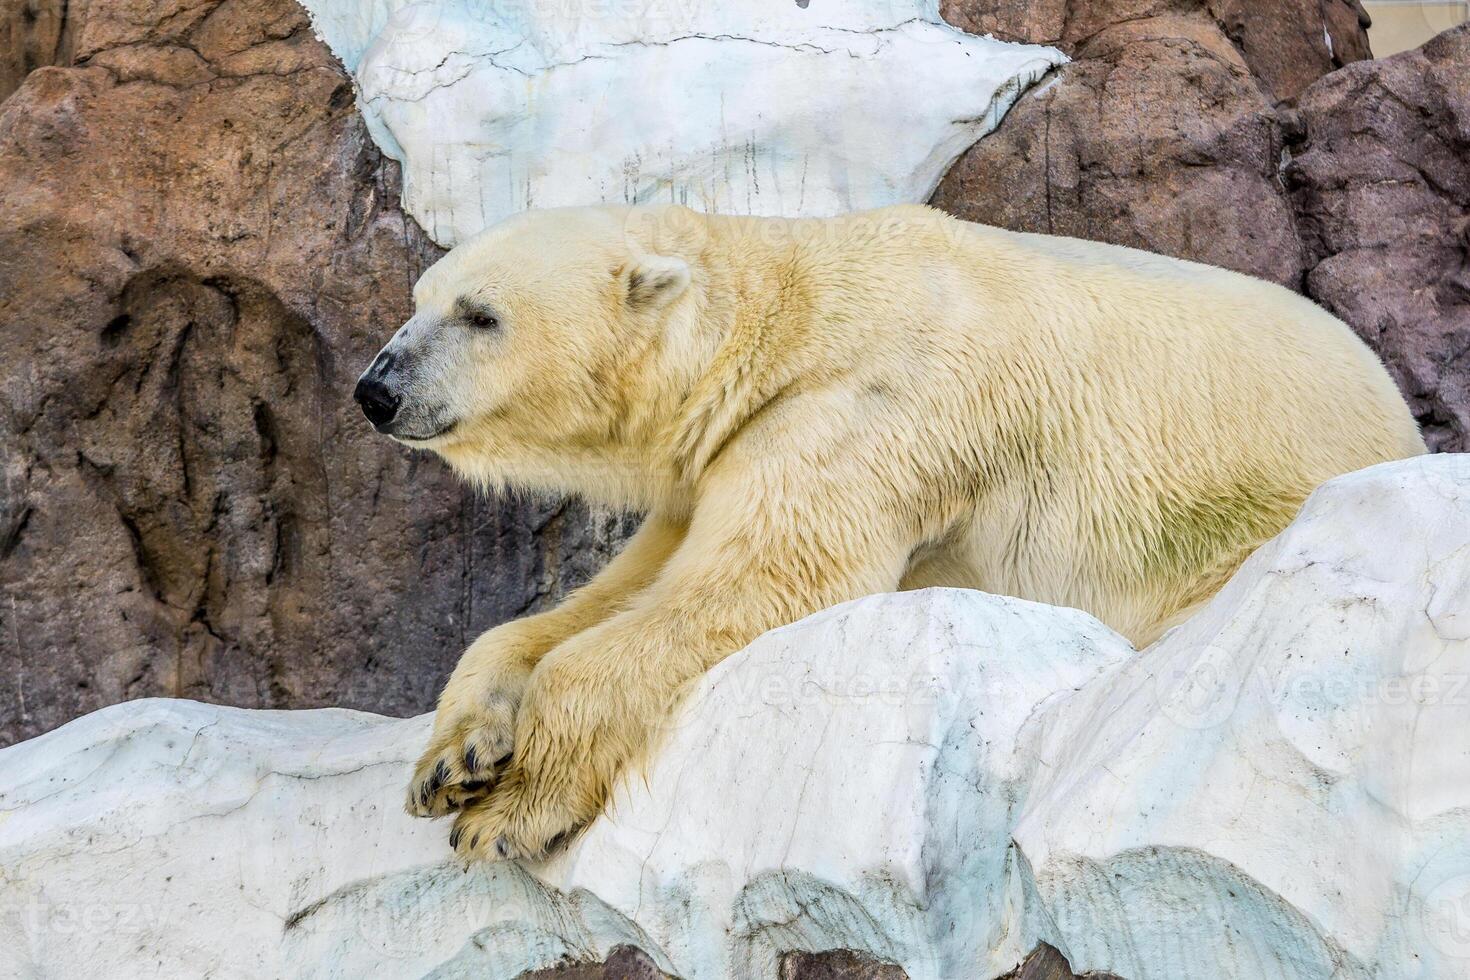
(813, 411)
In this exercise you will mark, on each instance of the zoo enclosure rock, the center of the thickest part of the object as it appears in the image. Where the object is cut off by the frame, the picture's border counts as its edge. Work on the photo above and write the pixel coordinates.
(1162, 134)
(1286, 44)
(199, 250)
(1381, 190)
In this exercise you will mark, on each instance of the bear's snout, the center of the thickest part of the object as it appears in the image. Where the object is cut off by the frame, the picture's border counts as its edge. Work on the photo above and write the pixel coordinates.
(378, 403)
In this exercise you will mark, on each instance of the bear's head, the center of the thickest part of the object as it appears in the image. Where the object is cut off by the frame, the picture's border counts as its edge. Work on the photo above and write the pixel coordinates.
(535, 348)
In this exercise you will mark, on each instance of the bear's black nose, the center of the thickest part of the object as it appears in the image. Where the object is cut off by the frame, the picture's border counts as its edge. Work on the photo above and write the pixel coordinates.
(378, 403)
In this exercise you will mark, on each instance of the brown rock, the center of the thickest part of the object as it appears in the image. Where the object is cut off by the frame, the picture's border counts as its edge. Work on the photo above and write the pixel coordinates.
(34, 34)
(1288, 44)
(1158, 137)
(1164, 133)
(628, 963)
(1382, 193)
(199, 250)
(622, 963)
(1046, 963)
(837, 964)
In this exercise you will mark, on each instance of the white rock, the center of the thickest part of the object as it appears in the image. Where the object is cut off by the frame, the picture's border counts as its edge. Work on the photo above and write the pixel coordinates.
(1278, 789)
(742, 106)
(1281, 786)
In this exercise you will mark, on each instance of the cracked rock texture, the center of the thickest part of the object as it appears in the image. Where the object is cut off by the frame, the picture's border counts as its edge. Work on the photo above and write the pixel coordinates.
(951, 782)
(1286, 44)
(623, 963)
(1381, 190)
(1163, 133)
(34, 33)
(1201, 130)
(741, 106)
(200, 248)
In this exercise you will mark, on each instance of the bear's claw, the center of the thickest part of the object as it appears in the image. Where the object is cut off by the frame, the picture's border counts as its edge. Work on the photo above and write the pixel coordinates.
(455, 771)
(500, 827)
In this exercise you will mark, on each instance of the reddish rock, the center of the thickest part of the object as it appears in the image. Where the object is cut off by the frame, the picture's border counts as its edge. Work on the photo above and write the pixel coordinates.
(34, 34)
(1287, 44)
(622, 963)
(199, 250)
(1381, 187)
(1157, 136)
(837, 964)
(1046, 963)
(628, 963)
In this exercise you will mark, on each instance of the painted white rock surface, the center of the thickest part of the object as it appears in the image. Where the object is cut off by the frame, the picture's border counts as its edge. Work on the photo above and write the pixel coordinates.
(1281, 786)
(1278, 789)
(742, 106)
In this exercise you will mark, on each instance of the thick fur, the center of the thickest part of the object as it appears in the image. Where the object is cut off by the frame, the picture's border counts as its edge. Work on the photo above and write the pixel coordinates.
(819, 410)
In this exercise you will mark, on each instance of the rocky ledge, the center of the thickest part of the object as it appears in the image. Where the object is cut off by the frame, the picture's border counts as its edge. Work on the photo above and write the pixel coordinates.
(939, 783)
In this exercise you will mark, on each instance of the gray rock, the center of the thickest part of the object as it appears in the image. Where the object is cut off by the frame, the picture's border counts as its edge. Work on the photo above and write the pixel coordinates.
(1381, 188)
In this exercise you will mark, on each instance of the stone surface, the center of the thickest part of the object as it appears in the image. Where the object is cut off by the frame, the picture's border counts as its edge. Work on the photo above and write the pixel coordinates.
(1157, 136)
(798, 109)
(200, 248)
(1047, 963)
(1382, 194)
(841, 964)
(624, 963)
(33, 34)
(1286, 44)
(948, 781)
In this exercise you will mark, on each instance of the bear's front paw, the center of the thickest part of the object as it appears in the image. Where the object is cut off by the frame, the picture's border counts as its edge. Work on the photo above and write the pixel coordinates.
(512, 823)
(465, 754)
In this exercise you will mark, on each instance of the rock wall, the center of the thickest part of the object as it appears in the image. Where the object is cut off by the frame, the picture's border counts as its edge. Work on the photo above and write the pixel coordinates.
(1381, 191)
(33, 34)
(1285, 44)
(199, 249)
(1157, 136)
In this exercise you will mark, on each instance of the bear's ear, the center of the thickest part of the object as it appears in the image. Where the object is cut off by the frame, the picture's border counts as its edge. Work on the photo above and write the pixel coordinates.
(655, 281)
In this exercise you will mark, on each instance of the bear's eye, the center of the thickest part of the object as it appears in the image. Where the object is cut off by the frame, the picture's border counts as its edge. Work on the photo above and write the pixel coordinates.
(481, 320)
